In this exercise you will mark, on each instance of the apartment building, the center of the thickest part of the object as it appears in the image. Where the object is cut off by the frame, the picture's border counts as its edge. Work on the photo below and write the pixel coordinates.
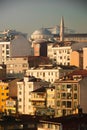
(24, 89)
(59, 53)
(19, 46)
(45, 73)
(4, 94)
(17, 65)
(48, 72)
(5, 51)
(70, 93)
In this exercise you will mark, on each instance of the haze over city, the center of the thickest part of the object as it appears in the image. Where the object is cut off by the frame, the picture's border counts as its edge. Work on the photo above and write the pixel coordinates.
(30, 15)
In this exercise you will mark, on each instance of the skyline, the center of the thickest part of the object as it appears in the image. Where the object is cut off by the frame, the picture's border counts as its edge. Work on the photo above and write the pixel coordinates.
(30, 15)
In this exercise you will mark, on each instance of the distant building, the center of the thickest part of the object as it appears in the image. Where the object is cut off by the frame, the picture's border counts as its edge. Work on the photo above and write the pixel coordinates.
(40, 38)
(58, 34)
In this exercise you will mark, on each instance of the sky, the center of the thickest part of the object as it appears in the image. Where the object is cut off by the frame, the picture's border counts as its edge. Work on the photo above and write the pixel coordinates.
(29, 15)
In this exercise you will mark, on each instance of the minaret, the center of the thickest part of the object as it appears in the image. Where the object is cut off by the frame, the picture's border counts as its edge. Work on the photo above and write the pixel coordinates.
(62, 30)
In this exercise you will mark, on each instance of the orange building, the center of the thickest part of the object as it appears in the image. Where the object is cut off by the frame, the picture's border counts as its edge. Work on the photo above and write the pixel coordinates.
(76, 59)
(4, 94)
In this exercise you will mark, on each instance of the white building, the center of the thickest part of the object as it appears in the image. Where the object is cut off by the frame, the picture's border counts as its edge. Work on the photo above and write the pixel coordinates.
(4, 51)
(24, 89)
(47, 73)
(19, 46)
(59, 54)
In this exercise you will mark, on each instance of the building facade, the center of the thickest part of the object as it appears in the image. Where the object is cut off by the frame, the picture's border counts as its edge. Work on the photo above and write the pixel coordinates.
(70, 93)
(61, 55)
(46, 72)
(4, 94)
(24, 89)
(76, 58)
(5, 51)
(17, 65)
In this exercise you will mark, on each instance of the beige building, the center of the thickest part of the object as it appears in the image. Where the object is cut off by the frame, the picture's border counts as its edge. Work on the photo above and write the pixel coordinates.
(17, 65)
(71, 93)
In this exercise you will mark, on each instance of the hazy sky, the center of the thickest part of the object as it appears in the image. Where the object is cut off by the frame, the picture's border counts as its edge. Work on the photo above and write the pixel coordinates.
(29, 15)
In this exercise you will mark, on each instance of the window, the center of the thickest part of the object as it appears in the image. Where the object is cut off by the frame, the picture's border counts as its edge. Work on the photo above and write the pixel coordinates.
(44, 74)
(63, 87)
(7, 52)
(75, 87)
(58, 87)
(20, 92)
(69, 96)
(68, 104)
(7, 46)
(75, 104)
(24, 65)
(63, 95)
(75, 95)
(7, 94)
(58, 95)
(60, 57)
(64, 112)
(19, 106)
(58, 103)
(48, 73)
(69, 86)
(20, 99)
(2, 93)
(63, 104)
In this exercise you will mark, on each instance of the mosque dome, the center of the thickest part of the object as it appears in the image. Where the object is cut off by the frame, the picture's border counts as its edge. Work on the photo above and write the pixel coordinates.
(42, 33)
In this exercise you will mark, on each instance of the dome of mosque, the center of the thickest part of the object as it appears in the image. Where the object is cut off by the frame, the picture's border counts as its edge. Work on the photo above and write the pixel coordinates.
(42, 33)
